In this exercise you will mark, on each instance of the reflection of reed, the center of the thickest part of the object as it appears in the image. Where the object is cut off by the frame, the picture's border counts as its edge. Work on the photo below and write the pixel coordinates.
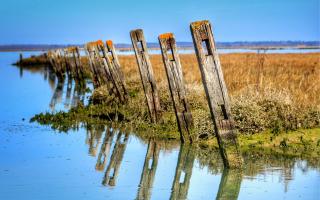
(229, 184)
(57, 94)
(149, 170)
(183, 173)
(115, 160)
(93, 139)
(105, 149)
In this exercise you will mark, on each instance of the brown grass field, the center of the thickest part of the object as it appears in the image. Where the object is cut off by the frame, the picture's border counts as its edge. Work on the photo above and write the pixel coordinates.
(296, 74)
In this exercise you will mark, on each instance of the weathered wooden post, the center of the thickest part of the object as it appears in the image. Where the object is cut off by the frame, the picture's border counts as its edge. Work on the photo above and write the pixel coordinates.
(112, 75)
(115, 160)
(183, 173)
(149, 170)
(90, 51)
(146, 74)
(172, 65)
(216, 92)
(114, 65)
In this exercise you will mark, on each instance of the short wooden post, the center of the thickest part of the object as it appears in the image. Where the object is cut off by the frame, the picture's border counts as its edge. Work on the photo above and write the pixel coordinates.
(90, 51)
(146, 74)
(216, 92)
(112, 75)
(115, 160)
(114, 65)
(149, 171)
(184, 167)
(173, 69)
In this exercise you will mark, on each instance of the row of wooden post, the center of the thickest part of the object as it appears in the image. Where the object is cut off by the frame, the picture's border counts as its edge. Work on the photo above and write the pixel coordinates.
(106, 70)
(67, 61)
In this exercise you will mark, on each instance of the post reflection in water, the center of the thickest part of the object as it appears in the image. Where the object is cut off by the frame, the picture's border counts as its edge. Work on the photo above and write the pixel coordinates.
(72, 98)
(230, 183)
(119, 148)
(93, 138)
(105, 150)
(57, 94)
(149, 170)
(68, 93)
(183, 173)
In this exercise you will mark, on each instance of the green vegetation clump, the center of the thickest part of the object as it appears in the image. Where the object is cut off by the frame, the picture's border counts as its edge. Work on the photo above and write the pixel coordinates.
(33, 60)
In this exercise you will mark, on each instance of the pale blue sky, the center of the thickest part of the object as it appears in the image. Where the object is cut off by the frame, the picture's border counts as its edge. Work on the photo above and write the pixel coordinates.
(80, 21)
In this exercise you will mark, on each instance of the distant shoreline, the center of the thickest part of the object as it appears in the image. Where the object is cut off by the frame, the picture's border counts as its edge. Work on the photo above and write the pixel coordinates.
(268, 45)
(180, 48)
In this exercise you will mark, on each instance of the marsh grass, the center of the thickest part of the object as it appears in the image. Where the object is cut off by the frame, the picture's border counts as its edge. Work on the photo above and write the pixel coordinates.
(279, 92)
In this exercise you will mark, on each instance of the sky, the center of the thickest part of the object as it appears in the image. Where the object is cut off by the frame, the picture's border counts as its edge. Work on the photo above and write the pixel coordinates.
(81, 21)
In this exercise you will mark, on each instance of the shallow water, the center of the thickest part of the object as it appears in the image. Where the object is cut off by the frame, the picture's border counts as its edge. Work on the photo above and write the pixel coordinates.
(104, 163)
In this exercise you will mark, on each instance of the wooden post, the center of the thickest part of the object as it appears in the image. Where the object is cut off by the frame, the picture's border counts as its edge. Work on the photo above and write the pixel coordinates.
(114, 65)
(216, 92)
(173, 69)
(146, 74)
(90, 51)
(112, 75)
(149, 170)
(183, 170)
(115, 160)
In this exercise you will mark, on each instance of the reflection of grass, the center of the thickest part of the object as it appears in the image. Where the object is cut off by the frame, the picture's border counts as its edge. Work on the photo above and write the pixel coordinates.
(301, 143)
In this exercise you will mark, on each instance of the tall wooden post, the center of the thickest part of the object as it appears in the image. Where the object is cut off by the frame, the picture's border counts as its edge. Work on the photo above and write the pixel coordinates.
(146, 74)
(173, 69)
(183, 173)
(216, 92)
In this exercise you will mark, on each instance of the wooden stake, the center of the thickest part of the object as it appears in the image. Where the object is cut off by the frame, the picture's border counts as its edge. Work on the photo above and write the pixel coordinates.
(216, 92)
(114, 65)
(173, 69)
(146, 74)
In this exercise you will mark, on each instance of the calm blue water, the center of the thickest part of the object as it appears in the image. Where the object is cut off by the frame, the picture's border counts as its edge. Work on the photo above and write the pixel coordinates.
(37, 162)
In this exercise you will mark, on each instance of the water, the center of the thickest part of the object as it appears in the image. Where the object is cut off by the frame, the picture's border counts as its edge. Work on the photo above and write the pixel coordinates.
(104, 163)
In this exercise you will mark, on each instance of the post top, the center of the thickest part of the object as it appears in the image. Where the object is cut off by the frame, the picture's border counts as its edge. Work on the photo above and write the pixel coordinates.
(99, 43)
(136, 30)
(109, 43)
(198, 24)
(166, 36)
